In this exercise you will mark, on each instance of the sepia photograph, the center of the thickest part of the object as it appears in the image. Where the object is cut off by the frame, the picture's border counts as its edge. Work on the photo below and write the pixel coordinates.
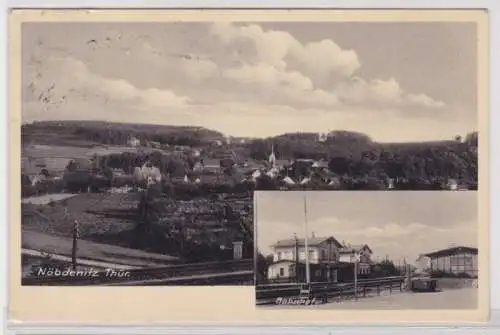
(367, 250)
(142, 142)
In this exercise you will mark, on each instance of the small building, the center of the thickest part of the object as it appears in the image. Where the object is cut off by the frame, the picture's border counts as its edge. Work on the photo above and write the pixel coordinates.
(454, 260)
(322, 137)
(357, 253)
(133, 141)
(147, 173)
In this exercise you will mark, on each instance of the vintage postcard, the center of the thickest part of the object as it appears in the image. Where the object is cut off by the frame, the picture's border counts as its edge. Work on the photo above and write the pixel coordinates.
(139, 138)
(367, 250)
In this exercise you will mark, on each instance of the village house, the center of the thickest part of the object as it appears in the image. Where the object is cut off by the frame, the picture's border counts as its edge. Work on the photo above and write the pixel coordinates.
(322, 137)
(147, 173)
(360, 253)
(324, 256)
(133, 141)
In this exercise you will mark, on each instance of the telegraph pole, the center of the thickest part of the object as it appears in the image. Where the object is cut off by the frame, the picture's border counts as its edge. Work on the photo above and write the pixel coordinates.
(76, 236)
(296, 258)
(356, 261)
(308, 276)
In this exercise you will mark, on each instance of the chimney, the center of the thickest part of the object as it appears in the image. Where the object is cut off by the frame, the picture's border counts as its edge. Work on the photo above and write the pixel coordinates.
(313, 235)
(237, 250)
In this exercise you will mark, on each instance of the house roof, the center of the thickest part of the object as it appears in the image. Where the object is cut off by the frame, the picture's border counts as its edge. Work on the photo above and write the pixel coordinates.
(354, 248)
(312, 241)
(452, 251)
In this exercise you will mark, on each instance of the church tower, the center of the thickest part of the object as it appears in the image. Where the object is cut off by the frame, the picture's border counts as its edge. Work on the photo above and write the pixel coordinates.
(272, 158)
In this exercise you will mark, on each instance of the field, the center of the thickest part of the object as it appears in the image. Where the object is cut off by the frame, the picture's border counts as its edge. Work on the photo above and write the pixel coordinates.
(96, 214)
(93, 251)
(56, 157)
(193, 228)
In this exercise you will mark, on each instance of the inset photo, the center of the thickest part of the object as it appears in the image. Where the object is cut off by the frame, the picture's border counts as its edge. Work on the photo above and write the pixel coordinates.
(367, 250)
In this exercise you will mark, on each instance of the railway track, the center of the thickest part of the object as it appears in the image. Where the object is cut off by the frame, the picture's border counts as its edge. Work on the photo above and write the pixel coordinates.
(166, 274)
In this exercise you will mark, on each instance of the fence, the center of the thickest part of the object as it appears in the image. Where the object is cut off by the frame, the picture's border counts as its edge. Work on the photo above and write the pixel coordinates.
(267, 294)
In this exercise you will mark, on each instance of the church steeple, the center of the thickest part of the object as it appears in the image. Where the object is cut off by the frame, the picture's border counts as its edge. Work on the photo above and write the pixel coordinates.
(272, 157)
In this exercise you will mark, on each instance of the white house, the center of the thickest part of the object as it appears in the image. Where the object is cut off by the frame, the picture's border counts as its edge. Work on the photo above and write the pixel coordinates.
(133, 141)
(286, 253)
(148, 173)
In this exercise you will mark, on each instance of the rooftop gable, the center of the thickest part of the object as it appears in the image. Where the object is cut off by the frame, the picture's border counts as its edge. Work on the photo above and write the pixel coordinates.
(312, 241)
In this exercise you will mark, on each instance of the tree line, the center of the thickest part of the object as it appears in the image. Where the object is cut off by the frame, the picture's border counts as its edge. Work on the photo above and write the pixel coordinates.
(118, 133)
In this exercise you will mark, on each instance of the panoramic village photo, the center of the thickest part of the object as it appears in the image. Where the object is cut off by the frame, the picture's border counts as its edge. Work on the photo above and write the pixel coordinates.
(143, 143)
(367, 250)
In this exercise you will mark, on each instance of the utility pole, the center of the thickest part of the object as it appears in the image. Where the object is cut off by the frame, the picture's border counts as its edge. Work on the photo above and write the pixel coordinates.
(76, 236)
(296, 258)
(308, 276)
(356, 266)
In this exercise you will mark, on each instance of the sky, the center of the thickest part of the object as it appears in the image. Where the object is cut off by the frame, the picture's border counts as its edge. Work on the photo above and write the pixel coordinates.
(400, 225)
(393, 81)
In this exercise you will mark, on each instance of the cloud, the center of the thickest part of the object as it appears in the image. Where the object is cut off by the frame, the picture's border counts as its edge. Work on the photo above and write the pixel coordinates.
(117, 89)
(183, 66)
(382, 93)
(273, 47)
(75, 79)
(284, 86)
(326, 57)
(286, 66)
